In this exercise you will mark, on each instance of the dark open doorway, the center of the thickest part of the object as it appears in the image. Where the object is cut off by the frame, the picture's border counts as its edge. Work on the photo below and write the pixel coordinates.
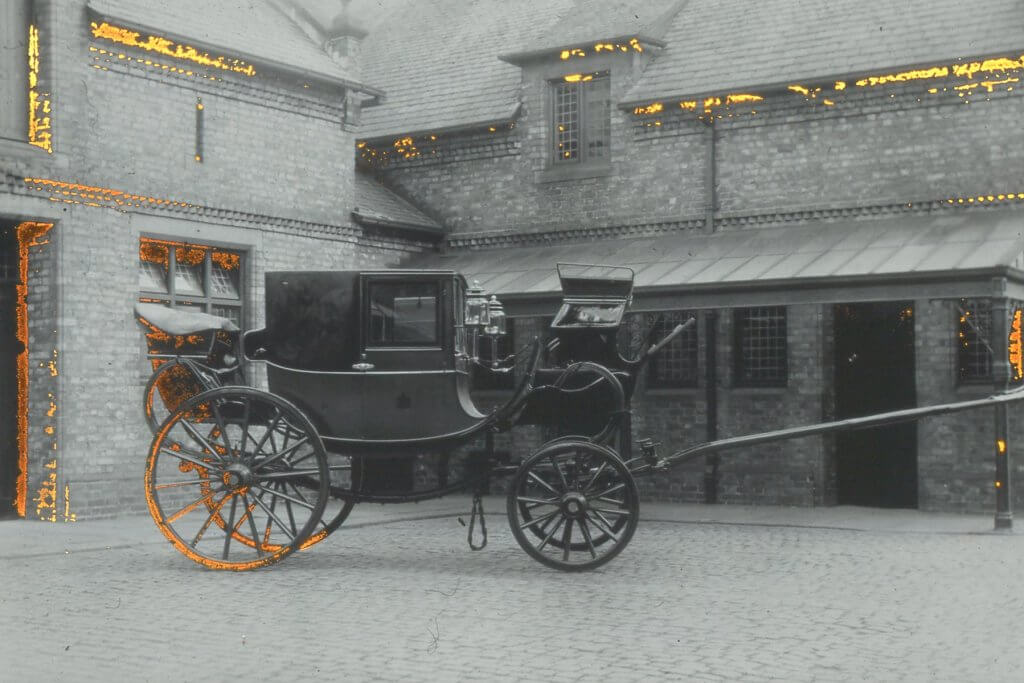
(875, 373)
(9, 349)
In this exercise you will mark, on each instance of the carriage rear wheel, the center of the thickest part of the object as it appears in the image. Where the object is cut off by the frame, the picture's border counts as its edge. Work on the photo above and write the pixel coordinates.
(237, 479)
(573, 505)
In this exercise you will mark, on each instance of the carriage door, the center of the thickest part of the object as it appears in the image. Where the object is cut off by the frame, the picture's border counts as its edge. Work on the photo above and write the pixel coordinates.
(403, 341)
(874, 368)
(10, 347)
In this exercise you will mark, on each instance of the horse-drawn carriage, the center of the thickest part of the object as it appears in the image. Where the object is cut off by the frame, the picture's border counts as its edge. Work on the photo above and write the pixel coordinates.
(371, 371)
(368, 370)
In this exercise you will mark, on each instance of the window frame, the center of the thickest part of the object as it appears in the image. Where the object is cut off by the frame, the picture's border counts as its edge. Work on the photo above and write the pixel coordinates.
(438, 340)
(982, 309)
(584, 94)
(741, 372)
(207, 301)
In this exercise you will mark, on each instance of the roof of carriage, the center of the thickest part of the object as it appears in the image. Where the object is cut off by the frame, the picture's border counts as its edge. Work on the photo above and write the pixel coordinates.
(260, 32)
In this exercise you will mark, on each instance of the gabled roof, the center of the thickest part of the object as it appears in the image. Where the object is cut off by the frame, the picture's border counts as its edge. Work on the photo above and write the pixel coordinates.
(257, 32)
(721, 46)
(378, 206)
(591, 21)
(437, 60)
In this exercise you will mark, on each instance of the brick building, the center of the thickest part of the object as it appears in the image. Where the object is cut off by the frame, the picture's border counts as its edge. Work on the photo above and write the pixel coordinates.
(833, 191)
(163, 151)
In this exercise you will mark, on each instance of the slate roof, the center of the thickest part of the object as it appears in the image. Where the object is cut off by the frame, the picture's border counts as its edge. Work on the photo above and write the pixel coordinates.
(377, 205)
(721, 46)
(438, 63)
(944, 244)
(256, 31)
(592, 20)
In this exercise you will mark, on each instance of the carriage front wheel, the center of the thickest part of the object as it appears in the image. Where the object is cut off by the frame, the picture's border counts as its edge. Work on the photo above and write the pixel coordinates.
(573, 505)
(237, 478)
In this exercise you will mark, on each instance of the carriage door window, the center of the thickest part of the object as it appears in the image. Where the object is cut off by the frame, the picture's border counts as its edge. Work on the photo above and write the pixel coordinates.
(404, 314)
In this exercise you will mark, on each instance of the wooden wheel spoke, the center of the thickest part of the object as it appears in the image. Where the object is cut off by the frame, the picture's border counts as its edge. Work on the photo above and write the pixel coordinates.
(537, 501)
(551, 533)
(269, 433)
(252, 524)
(284, 453)
(610, 489)
(561, 474)
(190, 507)
(178, 484)
(605, 511)
(604, 525)
(200, 439)
(270, 514)
(209, 520)
(593, 479)
(221, 424)
(287, 474)
(587, 537)
(230, 525)
(285, 496)
(533, 475)
(538, 520)
(566, 539)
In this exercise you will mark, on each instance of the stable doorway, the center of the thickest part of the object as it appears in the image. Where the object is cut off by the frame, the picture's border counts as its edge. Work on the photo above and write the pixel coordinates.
(874, 373)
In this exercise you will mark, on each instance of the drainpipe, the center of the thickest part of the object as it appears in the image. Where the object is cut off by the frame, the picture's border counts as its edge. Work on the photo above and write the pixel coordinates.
(711, 400)
(1001, 377)
(710, 179)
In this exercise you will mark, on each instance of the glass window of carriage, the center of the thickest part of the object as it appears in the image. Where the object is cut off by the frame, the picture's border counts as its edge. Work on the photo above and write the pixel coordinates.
(581, 119)
(196, 276)
(403, 314)
(760, 347)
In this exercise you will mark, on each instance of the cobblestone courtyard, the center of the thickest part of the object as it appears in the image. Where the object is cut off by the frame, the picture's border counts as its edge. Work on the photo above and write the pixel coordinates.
(399, 598)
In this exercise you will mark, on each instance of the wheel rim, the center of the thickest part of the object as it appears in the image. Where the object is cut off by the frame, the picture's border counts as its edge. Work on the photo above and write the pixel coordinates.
(237, 479)
(573, 505)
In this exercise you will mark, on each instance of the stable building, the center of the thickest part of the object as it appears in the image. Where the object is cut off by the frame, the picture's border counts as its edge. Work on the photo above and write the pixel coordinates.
(832, 192)
(163, 152)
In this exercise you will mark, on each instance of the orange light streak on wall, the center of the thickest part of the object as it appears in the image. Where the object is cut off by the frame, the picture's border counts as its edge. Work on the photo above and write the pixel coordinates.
(169, 48)
(97, 194)
(1015, 349)
(28, 235)
(38, 103)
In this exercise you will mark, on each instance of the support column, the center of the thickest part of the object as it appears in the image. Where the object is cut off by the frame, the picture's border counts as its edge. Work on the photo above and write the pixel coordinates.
(1001, 378)
(711, 461)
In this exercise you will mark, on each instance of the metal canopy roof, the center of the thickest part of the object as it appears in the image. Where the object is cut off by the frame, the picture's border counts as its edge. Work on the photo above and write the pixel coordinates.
(933, 256)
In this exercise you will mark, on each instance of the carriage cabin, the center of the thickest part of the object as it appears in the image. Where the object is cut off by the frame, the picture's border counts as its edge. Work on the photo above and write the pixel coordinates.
(369, 355)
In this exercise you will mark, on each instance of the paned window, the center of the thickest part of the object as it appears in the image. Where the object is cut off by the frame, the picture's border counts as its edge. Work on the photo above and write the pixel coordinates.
(581, 119)
(14, 23)
(974, 355)
(404, 314)
(489, 351)
(676, 364)
(760, 347)
(196, 276)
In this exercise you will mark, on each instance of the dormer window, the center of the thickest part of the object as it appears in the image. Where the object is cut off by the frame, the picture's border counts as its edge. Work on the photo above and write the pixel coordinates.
(581, 121)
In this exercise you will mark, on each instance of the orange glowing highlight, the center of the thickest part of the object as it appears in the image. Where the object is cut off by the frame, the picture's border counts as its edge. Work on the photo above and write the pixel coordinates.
(1016, 352)
(169, 48)
(28, 235)
(46, 496)
(1001, 446)
(90, 195)
(650, 109)
(39, 107)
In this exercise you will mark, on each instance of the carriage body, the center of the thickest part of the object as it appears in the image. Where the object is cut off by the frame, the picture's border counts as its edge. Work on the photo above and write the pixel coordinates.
(370, 356)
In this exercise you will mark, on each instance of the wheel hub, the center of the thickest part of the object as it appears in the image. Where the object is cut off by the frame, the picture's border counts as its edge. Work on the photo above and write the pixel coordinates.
(574, 505)
(237, 477)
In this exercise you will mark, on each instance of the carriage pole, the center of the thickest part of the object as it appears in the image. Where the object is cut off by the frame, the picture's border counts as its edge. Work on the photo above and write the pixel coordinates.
(1001, 376)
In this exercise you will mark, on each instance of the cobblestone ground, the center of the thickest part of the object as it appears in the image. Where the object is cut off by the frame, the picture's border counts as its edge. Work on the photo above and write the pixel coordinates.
(408, 600)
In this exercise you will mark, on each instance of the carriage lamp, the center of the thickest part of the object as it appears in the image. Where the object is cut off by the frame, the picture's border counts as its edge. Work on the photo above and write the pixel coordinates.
(476, 306)
(495, 325)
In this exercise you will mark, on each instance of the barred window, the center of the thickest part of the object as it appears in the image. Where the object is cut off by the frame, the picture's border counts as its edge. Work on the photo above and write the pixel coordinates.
(185, 275)
(581, 118)
(760, 347)
(974, 355)
(490, 351)
(675, 365)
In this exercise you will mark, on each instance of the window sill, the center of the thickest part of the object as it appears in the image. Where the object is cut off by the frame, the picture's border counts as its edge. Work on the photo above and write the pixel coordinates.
(19, 150)
(564, 172)
(759, 391)
(672, 391)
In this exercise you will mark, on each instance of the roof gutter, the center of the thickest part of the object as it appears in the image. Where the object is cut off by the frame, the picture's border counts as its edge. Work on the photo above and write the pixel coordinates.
(458, 128)
(520, 57)
(255, 59)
